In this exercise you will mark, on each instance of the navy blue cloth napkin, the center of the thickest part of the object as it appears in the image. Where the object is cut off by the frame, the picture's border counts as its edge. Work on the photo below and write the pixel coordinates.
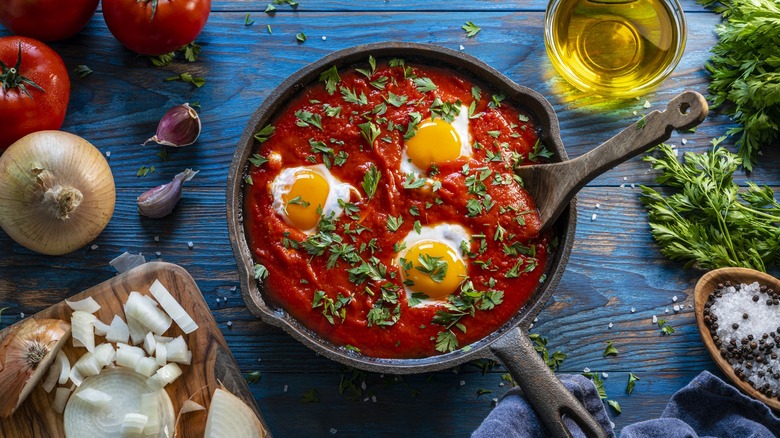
(706, 407)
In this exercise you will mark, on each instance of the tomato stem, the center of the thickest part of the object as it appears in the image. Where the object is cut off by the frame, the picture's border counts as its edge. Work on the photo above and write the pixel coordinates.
(11, 77)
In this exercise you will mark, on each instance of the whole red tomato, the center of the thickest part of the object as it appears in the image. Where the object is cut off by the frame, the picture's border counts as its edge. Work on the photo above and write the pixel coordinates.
(46, 20)
(156, 27)
(35, 88)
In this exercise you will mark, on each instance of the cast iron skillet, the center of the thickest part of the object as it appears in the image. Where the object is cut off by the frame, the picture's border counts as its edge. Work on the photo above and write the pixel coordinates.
(509, 343)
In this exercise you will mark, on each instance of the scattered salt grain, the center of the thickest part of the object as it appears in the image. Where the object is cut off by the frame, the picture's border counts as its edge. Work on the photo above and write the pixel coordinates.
(365, 399)
(633, 186)
(218, 300)
(363, 385)
(190, 244)
(158, 253)
(676, 308)
(536, 319)
(633, 310)
(655, 319)
(156, 238)
(324, 38)
(462, 382)
(605, 375)
(586, 370)
(666, 310)
(333, 431)
(108, 154)
(622, 186)
(674, 299)
(233, 289)
(676, 152)
(462, 48)
(230, 323)
(373, 398)
(494, 401)
(285, 388)
(598, 206)
(593, 216)
(21, 315)
(684, 141)
(625, 178)
(647, 104)
(94, 247)
(635, 113)
(501, 384)
(610, 325)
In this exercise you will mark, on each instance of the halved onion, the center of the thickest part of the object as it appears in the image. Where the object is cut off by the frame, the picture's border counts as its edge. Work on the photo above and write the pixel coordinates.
(230, 417)
(127, 390)
(88, 305)
(172, 307)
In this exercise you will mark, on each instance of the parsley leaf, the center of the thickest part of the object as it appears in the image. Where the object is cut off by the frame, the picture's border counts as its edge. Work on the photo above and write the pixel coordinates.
(331, 78)
(434, 267)
(615, 405)
(247, 21)
(471, 29)
(82, 70)
(261, 272)
(424, 84)
(307, 118)
(264, 134)
(413, 182)
(253, 377)
(611, 350)
(554, 360)
(370, 132)
(632, 379)
(371, 181)
(350, 96)
(394, 223)
(300, 37)
(446, 341)
(187, 77)
(310, 396)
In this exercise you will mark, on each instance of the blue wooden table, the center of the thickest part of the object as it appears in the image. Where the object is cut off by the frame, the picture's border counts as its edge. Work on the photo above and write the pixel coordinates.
(615, 281)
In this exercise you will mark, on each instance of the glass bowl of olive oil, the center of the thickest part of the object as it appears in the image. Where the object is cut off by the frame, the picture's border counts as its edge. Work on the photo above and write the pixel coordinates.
(615, 48)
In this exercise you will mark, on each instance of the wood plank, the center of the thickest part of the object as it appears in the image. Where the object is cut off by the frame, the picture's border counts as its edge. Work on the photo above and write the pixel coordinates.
(212, 363)
(118, 106)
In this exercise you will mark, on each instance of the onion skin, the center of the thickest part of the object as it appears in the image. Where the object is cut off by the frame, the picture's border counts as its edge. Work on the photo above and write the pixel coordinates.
(57, 192)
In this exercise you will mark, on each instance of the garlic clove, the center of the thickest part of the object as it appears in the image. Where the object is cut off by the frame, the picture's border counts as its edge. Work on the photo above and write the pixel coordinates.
(160, 201)
(180, 126)
(26, 353)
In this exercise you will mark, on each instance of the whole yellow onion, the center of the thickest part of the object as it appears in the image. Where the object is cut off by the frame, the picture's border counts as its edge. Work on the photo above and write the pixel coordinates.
(56, 192)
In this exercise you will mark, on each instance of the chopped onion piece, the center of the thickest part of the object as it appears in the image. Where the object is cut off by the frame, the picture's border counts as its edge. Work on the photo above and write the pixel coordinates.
(190, 406)
(60, 398)
(54, 373)
(88, 305)
(94, 397)
(163, 339)
(83, 330)
(87, 365)
(133, 424)
(230, 413)
(75, 376)
(186, 360)
(164, 376)
(161, 354)
(64, 365)
(118, 331)
(137, 331)
(128, 356)
(150, 344)
(105, 354)
(126, 261)
(101, 328)
(172, 307)
(146, 312)
(129, 394)
(177, 350)
(146, 366)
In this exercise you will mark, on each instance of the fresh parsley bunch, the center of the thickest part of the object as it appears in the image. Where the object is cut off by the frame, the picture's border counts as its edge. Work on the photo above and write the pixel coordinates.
(745, 71)
(709, 222)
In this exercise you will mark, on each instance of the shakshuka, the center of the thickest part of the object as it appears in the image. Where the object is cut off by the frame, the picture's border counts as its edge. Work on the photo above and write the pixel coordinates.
(383, 212)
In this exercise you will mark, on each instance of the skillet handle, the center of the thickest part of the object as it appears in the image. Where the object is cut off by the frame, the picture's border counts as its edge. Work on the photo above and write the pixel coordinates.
(543, 390)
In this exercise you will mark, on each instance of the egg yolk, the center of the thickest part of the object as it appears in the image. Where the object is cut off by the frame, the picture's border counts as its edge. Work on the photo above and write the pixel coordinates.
(306, 196)
(435, 141)
(436, 270)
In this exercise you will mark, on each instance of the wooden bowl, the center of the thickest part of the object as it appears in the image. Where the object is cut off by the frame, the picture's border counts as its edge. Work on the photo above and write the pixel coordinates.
(706, 285)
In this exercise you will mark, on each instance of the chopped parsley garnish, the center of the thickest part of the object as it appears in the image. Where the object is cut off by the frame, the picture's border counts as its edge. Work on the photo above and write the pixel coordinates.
(330, 77)
(307, 118)
(261, 272)
(665, 329)
(372, 65)
(539, 151)
(446, 341)
(515, 272)
(417, 298)
(467, 302)
(371, 181)
(615, 405)
(394, 223)
(399, 246)
(247, 21)
(143, 171)
(471, 29)
(370, 132)
(412, 128)
(413, 182)
(300, 37)
(310, 396)
(331, 308)
(331, 111)
(424, 84)
(476, 93)
(298, 201)
(253, 377)
(446, 110)
(264, 134)
(632, 379)
(379, 83)
(188, 78)
(495, 100)
(611, 350)
(553, 360)
(82, 70)
(434, 267)
(641, 123)
(350, 96)
(395, 99)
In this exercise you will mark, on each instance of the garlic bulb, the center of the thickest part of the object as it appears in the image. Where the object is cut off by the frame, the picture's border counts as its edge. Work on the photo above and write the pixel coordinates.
(180, 126)
(25, 354)
(56, 192)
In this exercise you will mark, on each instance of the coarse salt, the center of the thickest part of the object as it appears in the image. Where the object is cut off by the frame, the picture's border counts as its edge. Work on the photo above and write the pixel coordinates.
(94, 247)
(647, 104)
(593, 216)
(655, 319)
(676, 308)
(333, 431)
(586, 370)
(610, 325)
(674, 299)
(190, 244)
(633, 310)
(684, 141)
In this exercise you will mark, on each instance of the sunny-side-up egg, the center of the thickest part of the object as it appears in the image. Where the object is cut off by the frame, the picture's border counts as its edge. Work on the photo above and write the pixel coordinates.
(436, 141)
(302, 193)
(431, 263)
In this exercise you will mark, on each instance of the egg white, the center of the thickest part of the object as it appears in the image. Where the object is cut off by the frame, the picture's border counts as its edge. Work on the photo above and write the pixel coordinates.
(461, 126)
(449, 234)
(338, 189)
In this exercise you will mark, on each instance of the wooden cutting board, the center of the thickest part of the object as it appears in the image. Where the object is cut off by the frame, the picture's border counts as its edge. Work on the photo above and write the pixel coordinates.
(212, 362)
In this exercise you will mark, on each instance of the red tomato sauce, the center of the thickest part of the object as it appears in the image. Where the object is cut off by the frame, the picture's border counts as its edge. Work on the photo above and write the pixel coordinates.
(506, 252)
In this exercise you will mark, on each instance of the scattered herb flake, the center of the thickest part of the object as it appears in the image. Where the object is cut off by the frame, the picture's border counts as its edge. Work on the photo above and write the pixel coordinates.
(82, 70)
(371, 181)
(310, 396)
(261, 272)
(300, 37)
(424, 84)
(471, 29)
(611, 350)
(248, 21)
(188, 78)
(253, 377)
(632, 379)
(615, 405)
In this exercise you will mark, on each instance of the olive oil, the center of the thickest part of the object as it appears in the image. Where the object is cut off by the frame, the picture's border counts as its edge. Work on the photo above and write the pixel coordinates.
(615, 47)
